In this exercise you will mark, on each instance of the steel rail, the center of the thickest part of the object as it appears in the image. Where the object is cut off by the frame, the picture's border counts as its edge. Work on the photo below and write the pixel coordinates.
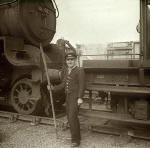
(35, 120)
(63, 125)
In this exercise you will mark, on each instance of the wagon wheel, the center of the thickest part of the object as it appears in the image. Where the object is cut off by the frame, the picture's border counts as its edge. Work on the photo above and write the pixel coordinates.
(21, 97)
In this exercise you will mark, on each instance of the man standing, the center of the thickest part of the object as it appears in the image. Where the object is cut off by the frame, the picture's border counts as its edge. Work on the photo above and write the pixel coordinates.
(73, 84)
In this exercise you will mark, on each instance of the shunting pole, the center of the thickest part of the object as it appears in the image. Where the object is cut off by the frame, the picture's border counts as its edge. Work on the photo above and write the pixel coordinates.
(49, 85)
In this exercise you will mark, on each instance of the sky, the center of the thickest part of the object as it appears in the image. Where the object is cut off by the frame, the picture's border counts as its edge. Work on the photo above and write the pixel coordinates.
(97, 21)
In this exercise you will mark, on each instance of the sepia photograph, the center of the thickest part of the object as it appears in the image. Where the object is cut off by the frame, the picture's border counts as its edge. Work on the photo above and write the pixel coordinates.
(74, 73)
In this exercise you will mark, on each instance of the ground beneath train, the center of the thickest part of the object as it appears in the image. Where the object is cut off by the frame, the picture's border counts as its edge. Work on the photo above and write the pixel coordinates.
(22, 135)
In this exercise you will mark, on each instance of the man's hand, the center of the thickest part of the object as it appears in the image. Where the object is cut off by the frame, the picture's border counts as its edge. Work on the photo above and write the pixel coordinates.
(80, 101)
(66, 41)
(50, 87)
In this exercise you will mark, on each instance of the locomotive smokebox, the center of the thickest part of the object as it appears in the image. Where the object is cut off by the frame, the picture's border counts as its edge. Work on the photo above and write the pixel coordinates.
(32, 20)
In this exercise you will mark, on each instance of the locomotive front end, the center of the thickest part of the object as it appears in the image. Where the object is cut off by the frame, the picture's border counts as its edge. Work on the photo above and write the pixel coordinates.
(32, 20)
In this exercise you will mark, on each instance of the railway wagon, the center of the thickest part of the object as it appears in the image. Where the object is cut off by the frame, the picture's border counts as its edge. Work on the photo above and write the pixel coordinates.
(24, 24)
(126, 83)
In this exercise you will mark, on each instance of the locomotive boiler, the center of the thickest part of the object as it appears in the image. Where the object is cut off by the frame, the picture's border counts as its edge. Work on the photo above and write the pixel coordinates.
(126, 83)
(33, 21)
(24, 24)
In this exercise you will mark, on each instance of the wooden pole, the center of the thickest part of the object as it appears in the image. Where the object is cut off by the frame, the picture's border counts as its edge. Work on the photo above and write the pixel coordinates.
(49, 85)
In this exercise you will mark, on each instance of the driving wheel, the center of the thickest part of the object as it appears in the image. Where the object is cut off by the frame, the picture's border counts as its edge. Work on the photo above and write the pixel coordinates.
(21, 97)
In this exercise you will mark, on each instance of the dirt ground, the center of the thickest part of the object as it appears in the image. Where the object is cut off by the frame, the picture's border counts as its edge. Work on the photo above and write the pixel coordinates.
(23, 135)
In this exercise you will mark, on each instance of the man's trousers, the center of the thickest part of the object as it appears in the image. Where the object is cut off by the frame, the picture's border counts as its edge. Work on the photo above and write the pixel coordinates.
(72, 115)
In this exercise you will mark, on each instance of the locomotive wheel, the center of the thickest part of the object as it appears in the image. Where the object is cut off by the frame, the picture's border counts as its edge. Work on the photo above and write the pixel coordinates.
(21, 97)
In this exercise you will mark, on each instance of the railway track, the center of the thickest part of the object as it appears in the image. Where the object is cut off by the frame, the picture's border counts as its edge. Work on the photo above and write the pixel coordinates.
(112, 129)
(120, 129)
(34, 120)
(140, 133)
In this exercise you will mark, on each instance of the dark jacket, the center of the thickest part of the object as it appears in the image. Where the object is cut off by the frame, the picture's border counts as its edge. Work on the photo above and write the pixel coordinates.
(73, 83)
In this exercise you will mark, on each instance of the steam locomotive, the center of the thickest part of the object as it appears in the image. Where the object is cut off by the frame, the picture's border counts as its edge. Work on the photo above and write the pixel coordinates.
(24, 24)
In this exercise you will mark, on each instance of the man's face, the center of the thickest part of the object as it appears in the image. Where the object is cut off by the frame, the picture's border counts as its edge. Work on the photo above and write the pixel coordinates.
(71, 62)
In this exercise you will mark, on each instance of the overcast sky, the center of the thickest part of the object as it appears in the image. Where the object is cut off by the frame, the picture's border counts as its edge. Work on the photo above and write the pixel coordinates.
(97, 21)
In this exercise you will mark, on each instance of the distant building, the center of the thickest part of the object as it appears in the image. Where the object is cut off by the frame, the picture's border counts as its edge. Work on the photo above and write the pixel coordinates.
(111, 51)
(123, 50)
(91, 51)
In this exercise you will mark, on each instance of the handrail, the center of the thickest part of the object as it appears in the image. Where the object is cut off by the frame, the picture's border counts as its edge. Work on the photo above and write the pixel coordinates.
(8, 3)
(109, 54)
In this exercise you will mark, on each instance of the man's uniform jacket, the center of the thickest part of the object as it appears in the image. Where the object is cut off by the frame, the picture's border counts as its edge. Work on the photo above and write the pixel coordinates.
(73, 85)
